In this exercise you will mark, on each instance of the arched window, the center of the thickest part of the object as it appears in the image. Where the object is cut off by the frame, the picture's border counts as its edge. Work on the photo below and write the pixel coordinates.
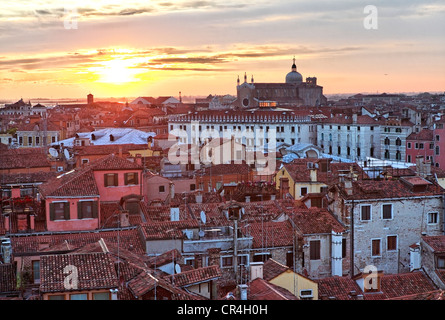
(387, 141)
(398, 142)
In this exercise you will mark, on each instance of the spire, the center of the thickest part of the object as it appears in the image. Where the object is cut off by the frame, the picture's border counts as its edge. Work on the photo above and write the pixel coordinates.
(251, 80)
(237, 81)
(245, 77)
(294, 66)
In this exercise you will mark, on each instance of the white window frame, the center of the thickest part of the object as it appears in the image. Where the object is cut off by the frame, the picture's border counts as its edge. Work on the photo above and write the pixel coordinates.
(221, 261)
(380, 255)
(397, 242)
(370, 211)
(428, 218)
(392, 211)
(301, 193)
(311, 296)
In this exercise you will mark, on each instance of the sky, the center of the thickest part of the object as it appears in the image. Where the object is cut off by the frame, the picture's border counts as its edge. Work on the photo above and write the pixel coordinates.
(67, 49)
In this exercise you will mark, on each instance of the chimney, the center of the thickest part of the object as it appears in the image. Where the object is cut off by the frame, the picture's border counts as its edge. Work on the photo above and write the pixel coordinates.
(174, 214)
(354, 118)
(243, 291)
(313, 174)
(172, 190)
(120, 151)
(419, 167)
(348, 186)
(138, 159)
(256, 270)
(198, 197)
(124, 220)
(247, 198)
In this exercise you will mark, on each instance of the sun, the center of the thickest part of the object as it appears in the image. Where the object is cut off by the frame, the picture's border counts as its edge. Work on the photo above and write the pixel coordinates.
(117, 71)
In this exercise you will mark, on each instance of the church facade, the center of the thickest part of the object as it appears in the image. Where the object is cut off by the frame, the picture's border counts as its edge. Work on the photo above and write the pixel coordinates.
(293, 92)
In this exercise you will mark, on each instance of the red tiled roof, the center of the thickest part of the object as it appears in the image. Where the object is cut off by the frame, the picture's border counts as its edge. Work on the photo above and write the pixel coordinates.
(437, 243)
(166, 229)
(338, 288)
(23, 158)
(127, 239)
(376, 189)
(31, 177)
(260, 289)
(76, 183)
(106, 149)
(194, 276)
(272, 269)
(316, 221)
(114, 162)
(422, 135)
(404, 284)
(162, 259)
(94, 270)
(269, 234)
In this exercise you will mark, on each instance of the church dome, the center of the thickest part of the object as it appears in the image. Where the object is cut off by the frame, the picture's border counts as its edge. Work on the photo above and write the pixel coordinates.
(294, 76)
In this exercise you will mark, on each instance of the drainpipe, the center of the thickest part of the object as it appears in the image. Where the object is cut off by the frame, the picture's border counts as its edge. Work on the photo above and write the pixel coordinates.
(352, 241)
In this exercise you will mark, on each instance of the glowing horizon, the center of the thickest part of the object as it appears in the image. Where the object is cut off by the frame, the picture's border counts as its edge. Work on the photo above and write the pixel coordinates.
(201, 47)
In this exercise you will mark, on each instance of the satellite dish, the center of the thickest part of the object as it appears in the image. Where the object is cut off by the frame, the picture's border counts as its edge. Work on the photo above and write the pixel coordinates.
(53, 152)
(201, 233)
(177, 268)
(66, 153)
(203, 217)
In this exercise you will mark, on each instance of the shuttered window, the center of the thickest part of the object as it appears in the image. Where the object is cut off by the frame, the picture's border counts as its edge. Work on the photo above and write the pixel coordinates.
(391, 243)
(59, 211)
(314, 249)
(131, 178)
(110, 179)
(375, 250)
(87, 209)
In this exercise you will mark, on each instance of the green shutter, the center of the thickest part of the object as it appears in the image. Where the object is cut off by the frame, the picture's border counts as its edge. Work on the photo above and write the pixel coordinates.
(66, 208)
(105, 180)
(51, 211)
(79, 209)
(116, 182)
(95, 208)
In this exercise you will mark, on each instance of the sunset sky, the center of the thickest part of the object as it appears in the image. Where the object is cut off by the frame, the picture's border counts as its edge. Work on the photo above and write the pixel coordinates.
(156, 48)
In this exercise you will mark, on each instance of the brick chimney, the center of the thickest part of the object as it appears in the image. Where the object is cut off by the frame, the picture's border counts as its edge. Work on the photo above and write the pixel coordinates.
(138, 159)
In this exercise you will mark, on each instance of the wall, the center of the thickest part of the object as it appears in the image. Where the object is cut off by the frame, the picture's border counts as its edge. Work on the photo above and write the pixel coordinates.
(294, 282)
(409, 221)
(74, 223)
(115, 193)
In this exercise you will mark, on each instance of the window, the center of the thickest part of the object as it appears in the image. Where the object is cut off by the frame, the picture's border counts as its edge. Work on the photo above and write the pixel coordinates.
(387, 211)
(303, 191)
(36, 271)
(20, 140)
(433, 217)
(79, 296)
(29, 140)
(420, 145)
(37, 141)
(387, 141)
(398, 142)
(441, 262)
(358, 152)
(243, 259)
(375, 247)
(409, 145)
(365, 212)
(343, 248)
(131, 178)
(59, 211)
(56, 297)
(391, 243)
(409, 158)
(110, 179)
(314, 249)
(437, 138)
(161, 189)
(306, 294)
(226, 261)
(84, 161)
(101, 296)
(86, 209)
(437, 151)
(262, 257)
(192, 187)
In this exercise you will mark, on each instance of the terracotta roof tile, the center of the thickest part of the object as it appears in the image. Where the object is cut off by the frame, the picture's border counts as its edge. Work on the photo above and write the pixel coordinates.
(272, 269)
(26, 158)
(166, 229)
(194, 276)
(269, 234)
(338, 288)
(113, 162)
(437, 243)
(260, 289)
(315, 221)
(78, 182)
(95, 271)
